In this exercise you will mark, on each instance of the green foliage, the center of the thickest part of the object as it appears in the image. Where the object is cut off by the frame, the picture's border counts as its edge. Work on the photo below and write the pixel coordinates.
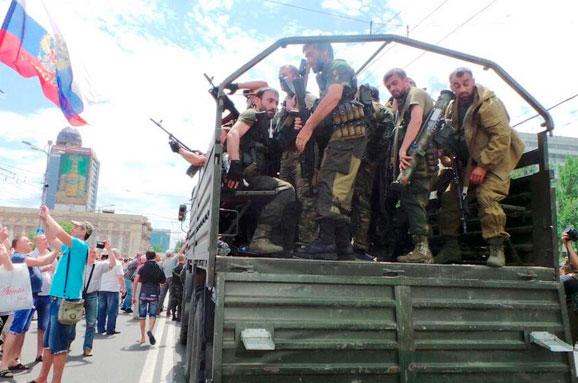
(178, 246)
(157, 248)
(67, 226)
(567, 194)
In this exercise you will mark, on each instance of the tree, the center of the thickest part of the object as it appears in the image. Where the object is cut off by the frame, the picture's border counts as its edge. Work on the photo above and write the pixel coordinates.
(178, 246)
(567, 194)
(67, 226)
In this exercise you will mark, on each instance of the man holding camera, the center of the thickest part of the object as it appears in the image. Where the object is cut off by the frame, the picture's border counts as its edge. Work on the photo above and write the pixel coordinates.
(568, 279)
(66, 284)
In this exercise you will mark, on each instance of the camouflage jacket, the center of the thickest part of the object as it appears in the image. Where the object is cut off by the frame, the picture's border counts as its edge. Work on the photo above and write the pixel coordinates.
(491, 142)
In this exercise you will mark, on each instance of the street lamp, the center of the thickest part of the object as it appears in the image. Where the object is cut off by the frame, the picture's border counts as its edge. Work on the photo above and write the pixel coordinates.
(47, 152)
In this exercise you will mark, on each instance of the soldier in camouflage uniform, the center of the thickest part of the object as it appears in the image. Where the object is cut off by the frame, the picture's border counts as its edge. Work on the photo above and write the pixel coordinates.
(379, 126)
(413, 105)
(342, 157)
(248, 145)
(290, 168)
(494, 150)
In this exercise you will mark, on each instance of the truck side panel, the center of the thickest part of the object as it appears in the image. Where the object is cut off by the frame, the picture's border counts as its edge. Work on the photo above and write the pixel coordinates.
(340, 328)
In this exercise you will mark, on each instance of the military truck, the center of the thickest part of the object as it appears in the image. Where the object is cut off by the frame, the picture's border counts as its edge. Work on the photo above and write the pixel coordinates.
(260, 319)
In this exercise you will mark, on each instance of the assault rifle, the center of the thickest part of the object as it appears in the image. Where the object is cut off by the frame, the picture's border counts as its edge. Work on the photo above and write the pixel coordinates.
(192, 170)
(228, 105)
(428, 130)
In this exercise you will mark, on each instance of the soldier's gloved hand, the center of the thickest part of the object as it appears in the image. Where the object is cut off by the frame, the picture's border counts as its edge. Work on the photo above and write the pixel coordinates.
(232, 87)
(234, 175)
(174, 146)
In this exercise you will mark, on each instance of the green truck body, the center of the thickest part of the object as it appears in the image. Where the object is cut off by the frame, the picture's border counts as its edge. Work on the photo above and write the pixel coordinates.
(291, 320)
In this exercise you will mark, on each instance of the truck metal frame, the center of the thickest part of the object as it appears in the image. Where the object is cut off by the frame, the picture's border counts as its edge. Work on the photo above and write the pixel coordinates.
(366, 322)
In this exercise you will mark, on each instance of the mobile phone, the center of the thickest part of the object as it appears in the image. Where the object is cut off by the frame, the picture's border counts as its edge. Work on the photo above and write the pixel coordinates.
(100, 244)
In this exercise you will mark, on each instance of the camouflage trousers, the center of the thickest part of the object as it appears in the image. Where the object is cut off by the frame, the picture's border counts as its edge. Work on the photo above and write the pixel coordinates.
(414, 198)
(340, 165)
(290, 171)
(277, 212)
(361, 209)
(492, 216)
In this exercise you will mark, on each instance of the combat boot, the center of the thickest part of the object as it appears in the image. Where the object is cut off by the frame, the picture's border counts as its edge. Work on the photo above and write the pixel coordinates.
(261, 242)
(421, 252)
(450, 251)
(324, 246)
(497, 257)
(343, 242)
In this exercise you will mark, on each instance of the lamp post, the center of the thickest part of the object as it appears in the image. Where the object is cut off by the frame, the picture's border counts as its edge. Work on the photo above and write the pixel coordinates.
(47, 152)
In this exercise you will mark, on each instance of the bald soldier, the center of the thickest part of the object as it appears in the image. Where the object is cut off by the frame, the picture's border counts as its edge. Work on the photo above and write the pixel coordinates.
(494, 150)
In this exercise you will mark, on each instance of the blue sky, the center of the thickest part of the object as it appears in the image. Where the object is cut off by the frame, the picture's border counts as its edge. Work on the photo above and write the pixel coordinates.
(136, 59)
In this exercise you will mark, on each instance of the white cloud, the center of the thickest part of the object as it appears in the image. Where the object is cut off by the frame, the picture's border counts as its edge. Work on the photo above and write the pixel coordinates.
(137, 73)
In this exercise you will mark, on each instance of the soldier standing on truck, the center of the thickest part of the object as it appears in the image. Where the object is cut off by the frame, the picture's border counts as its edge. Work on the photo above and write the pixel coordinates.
(342, 157)
(380, 124)
(290, 169)
(248, 145)
(494, 150)
(413, 105)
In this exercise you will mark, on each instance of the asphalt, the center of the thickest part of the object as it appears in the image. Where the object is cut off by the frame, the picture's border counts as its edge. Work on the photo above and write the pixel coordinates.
(116, 358)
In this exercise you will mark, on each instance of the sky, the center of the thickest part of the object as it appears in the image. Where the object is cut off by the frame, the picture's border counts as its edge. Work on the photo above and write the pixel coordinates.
(141, 59)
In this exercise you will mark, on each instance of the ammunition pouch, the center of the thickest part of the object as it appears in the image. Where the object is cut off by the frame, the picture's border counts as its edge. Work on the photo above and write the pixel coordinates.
(347, 113)
(348, 121)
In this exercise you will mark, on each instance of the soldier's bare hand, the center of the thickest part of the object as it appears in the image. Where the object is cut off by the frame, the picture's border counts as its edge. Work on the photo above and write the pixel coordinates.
(478, 175)
(297, 123)
(302, 138)
(404, 160)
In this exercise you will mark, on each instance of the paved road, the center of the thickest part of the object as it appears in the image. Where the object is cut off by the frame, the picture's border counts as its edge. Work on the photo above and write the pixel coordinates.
(117, 358)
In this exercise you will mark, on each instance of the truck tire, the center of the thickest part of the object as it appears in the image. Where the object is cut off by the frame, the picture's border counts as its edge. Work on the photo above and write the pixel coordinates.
(186, 305)
(197, 360)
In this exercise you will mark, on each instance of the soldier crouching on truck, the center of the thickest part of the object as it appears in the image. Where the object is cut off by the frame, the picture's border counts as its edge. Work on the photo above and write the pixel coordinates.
(248, 145)
(494, 150)
(413, 105)
(342, 156)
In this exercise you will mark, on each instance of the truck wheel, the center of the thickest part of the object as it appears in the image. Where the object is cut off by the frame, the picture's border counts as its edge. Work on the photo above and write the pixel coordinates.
(198, 341)
(187, 304)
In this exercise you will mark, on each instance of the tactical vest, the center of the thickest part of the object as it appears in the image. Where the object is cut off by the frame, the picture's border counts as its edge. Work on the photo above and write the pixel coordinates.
(254, 145)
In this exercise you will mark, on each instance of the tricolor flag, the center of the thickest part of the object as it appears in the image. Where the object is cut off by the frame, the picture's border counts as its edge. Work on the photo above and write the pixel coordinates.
(31, 44)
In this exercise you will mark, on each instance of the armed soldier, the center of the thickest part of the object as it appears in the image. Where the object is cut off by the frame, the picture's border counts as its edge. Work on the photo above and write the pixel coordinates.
(342, 157)
(380, 125)
(248, 145)
(494, 150)
(291, 169)
(412, 106)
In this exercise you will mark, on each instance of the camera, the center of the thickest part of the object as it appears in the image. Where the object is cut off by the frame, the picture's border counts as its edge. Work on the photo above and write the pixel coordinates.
(100, 244)
(572, 233)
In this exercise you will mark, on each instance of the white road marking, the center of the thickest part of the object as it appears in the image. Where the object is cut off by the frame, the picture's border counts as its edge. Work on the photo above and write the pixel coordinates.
(168, 357)
(148, 372)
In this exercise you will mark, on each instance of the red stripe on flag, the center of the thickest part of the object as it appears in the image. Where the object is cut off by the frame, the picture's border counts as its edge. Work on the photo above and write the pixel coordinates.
(27, 65)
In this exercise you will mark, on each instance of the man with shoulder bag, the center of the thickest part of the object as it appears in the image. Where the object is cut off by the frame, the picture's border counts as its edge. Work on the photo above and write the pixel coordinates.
(66, 304)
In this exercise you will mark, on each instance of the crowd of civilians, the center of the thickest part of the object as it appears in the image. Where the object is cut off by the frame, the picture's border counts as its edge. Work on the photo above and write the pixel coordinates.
(63, 267)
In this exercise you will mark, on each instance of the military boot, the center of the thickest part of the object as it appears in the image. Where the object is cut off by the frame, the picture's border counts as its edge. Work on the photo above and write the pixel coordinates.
(497, 257)
(450, 251)
(421, 252)
(324, 246)
(343, 242)
(261, 242)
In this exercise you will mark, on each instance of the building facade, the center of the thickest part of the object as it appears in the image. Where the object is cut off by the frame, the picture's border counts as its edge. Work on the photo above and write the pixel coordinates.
(161, 239)
(72, 174)
(131, 234)
(559, 148)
